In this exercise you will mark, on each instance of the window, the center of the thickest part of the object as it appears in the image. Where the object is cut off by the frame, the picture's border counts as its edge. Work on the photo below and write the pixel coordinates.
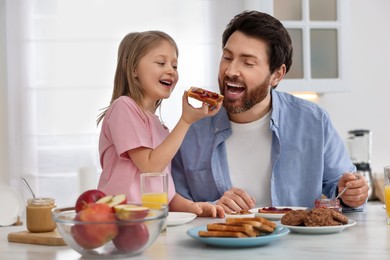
(317, 28)
(61, 59)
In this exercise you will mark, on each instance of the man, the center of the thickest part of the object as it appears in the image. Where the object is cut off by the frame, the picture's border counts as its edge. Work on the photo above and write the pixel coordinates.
(263, 147)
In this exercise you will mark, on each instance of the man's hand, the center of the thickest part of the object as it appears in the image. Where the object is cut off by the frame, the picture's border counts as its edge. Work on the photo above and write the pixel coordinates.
(235, 200)
(357, 192)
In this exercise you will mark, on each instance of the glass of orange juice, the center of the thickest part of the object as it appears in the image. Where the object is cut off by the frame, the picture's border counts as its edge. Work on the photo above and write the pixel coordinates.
(387, 192)
(154, 191)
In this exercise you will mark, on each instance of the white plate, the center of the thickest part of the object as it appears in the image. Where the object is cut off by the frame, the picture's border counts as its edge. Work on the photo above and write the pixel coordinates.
(231, 242)
(179, 218)
(10, 200)
(273, 216)
(320, 230)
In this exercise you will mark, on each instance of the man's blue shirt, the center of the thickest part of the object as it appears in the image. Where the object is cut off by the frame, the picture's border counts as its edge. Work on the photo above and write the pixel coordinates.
(308, 155)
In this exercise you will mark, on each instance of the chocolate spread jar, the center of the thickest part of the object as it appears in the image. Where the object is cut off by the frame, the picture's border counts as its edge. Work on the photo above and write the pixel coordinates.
(38, 215)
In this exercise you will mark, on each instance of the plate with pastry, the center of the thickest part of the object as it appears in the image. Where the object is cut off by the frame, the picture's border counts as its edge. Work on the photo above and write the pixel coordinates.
(237, 242)
(274, 213)
(320, 229)
(239, 232)
(316, 221)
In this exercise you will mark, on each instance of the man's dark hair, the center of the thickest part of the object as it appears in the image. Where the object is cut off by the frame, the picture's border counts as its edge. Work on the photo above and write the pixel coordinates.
(267, 28)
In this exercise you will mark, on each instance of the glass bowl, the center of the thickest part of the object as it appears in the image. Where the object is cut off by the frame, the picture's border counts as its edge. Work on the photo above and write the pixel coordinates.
(117, 238)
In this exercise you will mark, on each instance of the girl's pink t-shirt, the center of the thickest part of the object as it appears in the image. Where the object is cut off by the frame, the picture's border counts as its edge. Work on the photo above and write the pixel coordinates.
(126, 127)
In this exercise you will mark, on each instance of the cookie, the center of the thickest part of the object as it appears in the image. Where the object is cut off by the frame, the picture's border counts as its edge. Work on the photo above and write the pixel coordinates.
(294, 217)
(339, 217)
(320, 217)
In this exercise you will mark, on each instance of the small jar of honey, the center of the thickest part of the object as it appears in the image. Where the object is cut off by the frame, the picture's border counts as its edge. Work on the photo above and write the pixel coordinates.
(38, 215)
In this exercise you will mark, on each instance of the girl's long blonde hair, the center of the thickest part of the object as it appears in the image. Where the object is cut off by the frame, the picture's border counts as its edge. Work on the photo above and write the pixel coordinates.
(132, 48)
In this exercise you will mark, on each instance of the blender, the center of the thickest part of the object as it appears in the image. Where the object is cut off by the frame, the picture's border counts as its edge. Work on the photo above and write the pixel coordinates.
(359, 147)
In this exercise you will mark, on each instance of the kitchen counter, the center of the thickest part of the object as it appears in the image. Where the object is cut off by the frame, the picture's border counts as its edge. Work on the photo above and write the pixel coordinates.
(368, 239)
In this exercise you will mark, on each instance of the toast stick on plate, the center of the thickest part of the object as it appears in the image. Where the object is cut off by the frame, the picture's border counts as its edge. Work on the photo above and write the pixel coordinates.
(262, 227)
(236, 234)
(258, 219)
(257, 226)
(240, 227)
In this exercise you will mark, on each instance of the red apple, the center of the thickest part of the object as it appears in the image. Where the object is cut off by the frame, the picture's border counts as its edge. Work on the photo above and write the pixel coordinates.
(129, 211)
(88, 197)
(91, 235)
(113, 200)
(106, 199)
(131, 237)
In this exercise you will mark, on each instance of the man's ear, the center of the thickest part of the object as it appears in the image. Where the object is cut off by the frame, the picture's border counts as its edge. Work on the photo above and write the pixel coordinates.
(278, 75)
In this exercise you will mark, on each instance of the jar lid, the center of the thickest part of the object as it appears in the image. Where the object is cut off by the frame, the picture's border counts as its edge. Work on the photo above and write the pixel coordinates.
(40, 201)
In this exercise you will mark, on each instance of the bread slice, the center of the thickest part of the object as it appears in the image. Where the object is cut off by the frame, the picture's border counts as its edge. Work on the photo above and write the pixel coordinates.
(258, 224)
(257, 219)
(236, 234)
(238, 227)
(212, 99)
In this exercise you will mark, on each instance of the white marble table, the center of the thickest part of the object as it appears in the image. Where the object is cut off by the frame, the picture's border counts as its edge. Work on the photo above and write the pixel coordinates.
(368, 239)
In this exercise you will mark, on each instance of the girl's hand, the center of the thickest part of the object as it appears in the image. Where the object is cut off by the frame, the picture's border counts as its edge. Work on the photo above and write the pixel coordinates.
(205, 209)
(191, 114)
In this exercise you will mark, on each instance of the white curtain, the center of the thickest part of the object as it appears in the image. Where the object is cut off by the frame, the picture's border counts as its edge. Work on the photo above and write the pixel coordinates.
(60, 63)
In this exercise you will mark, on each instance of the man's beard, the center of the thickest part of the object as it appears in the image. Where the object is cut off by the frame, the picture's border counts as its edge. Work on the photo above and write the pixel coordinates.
(248, 100)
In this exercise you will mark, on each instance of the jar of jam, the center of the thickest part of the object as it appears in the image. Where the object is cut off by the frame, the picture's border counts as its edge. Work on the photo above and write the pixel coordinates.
(38, 215)
(328, 203)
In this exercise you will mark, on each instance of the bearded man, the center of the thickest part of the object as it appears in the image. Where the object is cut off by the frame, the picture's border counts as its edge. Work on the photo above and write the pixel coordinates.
(264, 147)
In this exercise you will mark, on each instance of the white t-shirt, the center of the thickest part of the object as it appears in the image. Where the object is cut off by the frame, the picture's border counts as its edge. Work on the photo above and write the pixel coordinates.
(249, 158)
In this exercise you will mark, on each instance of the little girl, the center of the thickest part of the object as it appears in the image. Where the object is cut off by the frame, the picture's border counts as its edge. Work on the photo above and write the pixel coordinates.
(132, 138)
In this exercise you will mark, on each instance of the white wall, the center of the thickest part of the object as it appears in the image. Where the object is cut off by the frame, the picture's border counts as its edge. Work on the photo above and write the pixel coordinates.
(367, 104)
(364, 106)
(61, 59)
